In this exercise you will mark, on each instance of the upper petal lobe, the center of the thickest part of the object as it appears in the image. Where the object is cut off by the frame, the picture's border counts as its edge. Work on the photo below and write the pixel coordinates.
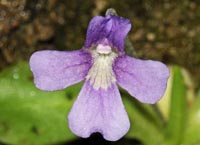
(110, 30)
(99, 111)
(55, 70)
(146, 80)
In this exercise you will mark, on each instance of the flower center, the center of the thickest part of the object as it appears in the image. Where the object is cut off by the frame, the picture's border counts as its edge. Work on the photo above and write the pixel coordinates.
(101, 74)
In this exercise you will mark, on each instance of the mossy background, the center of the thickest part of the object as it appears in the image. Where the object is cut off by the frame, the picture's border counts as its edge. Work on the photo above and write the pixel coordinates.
(163, 30)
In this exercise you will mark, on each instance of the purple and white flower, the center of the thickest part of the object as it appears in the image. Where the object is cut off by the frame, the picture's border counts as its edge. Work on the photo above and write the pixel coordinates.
(103, 65)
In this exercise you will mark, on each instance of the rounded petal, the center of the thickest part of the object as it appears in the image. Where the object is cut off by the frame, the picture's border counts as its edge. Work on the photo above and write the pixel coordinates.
(110, 30)
(99, 111)
(55, 70)
(94, 31)
(119, 31)
(146, 80)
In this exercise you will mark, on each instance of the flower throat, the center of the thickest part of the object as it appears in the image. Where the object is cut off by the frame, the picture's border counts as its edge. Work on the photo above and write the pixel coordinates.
(101, 74)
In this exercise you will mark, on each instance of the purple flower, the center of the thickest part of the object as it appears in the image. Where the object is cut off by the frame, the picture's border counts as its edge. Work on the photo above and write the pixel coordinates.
(103, 65)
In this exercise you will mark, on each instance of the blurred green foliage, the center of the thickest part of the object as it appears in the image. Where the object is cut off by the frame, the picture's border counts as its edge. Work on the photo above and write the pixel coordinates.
(192, 134)
(29, 116)
(177, 116)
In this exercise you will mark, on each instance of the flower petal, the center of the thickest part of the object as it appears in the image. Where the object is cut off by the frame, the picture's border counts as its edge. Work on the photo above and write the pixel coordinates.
(146, 80)
(99, 111)
(94, 31)
(110, 29)
(55, 70)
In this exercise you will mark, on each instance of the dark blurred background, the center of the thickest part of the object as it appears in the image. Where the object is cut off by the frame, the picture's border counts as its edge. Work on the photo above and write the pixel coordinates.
(166, 30)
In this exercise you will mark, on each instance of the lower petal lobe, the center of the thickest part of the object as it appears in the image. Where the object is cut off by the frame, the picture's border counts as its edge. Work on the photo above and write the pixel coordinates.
(99, 111)
(56, 70)
(146, 80)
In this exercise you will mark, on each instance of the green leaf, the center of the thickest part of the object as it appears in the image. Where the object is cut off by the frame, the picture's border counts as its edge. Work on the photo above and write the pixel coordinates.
(177, 115)
(192, 135)
(29, 116)
(146, 124)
